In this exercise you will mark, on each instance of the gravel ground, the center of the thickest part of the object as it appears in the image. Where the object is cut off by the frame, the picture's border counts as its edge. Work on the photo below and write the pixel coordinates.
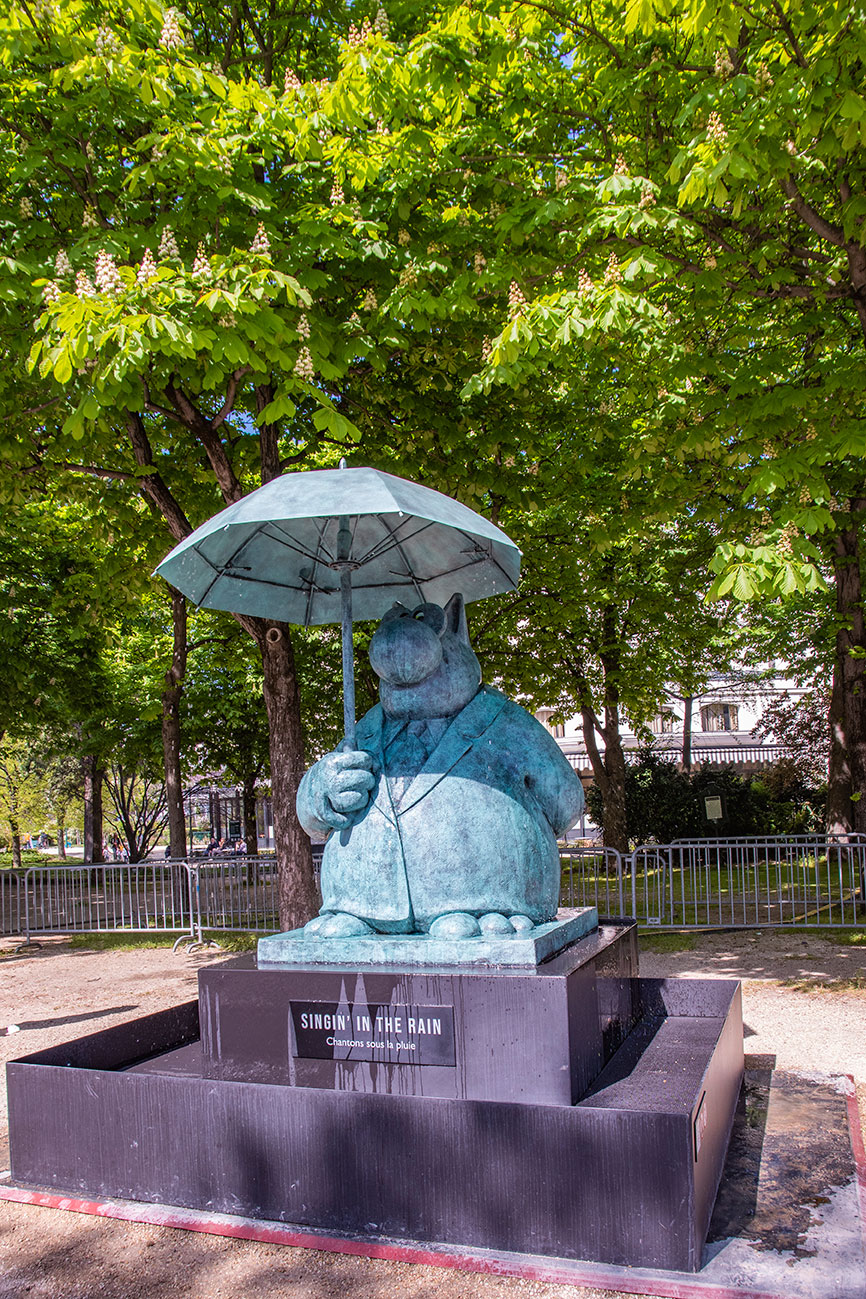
(58, 993)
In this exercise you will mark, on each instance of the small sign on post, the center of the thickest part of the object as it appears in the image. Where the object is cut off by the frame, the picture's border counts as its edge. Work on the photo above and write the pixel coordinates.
(714, 803)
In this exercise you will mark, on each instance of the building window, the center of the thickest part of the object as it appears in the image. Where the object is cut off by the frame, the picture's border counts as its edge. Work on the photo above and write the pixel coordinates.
(720, 717)
(664, 723)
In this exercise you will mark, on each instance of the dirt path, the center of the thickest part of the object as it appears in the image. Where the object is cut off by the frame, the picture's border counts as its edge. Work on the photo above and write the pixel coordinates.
(57, 993)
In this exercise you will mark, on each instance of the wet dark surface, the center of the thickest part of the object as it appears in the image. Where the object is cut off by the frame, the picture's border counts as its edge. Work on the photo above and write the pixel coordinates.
(790, 1146)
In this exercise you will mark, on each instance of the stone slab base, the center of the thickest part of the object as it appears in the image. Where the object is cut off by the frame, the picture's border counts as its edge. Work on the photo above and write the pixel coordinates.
(529, 949)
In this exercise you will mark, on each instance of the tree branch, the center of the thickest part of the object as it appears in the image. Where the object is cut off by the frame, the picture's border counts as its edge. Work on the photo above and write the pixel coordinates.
(832, 233)
(152, 483)
(98, 472)
(231, 394)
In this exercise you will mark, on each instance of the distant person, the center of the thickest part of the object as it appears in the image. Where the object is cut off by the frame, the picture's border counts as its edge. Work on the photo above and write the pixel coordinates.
(212, 846)
(241, 847)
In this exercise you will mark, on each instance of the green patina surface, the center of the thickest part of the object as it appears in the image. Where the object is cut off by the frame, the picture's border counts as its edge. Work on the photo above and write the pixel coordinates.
(445, 815)
(530, 949)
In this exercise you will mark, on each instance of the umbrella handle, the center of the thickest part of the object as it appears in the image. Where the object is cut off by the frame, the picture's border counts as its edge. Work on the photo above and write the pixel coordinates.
(348, 657)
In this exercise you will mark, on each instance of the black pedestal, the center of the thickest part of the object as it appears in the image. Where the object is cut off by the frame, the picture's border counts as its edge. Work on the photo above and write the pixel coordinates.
(627, 1174)
(539, 1036)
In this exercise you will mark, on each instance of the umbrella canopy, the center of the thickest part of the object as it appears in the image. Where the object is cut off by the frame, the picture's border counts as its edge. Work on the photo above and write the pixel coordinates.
(323, 545)
(276, 553)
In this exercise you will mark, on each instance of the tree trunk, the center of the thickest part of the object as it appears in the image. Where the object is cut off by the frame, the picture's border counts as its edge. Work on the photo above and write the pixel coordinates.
(171, 697)
(840, 811)
(93, 777)
(16, 844)
(688, 702)
(851, 656)
(60, 816)
(615, 824)
(251, 834)
(608, 772)
(298, 895)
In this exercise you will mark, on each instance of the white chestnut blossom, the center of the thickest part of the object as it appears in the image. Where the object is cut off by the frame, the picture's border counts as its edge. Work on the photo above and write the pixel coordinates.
(612, 272)
(647, 197)
(106, 275)
(723, 65)
(171, 36)
(261, 244)
(716, 130)
(516, 299)
(147, 268)
(107, 43)
(200, 265)
(304, 368)
(168, 250)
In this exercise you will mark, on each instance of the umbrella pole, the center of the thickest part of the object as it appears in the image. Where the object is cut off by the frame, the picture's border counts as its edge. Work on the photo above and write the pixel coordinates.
(345, 567)
(348, 658)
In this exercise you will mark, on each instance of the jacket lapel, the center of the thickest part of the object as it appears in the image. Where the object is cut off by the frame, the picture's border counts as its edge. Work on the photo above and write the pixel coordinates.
(369, 737)
(467, 726)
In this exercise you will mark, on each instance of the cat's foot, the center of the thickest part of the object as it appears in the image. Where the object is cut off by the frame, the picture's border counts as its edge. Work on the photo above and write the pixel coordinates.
(495, 924)
(456, 924)
(337, 924)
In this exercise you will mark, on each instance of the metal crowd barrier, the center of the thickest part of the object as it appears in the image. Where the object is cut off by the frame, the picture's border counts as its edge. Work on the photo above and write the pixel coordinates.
(10, 902)
(135, 897)
(236, 894)
(760, 882)
(692, 884)
(592, 877)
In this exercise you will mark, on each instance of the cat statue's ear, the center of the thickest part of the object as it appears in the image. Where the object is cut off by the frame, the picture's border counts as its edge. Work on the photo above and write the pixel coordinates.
(455, 617)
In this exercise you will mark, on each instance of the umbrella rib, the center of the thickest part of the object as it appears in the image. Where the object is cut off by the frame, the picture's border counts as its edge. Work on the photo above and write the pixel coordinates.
(392, 540)
(399, 545)
(217, 574)
(488, 554)
(312, 587)
(292, 543)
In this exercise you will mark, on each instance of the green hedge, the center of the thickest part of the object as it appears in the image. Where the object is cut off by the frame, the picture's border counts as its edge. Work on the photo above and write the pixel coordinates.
(663, 803)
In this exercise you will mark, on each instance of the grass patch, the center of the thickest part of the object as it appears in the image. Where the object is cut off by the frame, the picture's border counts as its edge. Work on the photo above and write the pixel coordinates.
(119, 940)
(667, 942)
(29, 857)
(841, 937)
(856, 983)
(233, 942)
(848, 937)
